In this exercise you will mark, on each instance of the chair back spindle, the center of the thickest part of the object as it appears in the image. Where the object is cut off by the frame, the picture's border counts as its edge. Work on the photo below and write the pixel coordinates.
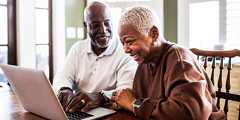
(213, 69)
(222, 55)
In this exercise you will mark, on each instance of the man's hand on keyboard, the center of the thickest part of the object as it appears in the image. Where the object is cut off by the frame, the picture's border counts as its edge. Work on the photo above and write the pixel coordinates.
(84, 102)
(64, 95)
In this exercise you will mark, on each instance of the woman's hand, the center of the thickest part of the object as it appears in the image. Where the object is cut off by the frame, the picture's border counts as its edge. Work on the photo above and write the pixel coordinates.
(124, 98)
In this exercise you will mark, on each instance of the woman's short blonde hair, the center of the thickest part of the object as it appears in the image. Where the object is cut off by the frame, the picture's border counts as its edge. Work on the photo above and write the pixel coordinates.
(140, 17)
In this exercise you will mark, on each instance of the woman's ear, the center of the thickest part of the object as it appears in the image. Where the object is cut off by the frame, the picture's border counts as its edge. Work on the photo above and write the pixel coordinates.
(154, 33)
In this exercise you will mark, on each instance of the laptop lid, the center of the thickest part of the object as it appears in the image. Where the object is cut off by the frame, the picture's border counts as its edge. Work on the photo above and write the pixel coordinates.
(34, 92)
(37, 96)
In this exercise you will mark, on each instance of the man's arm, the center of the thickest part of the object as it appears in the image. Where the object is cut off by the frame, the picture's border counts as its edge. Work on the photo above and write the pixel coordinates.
(66, 76)
(125, 73)
(63, 81)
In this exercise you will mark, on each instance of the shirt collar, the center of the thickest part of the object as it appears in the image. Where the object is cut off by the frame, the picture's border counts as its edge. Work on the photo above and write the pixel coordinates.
(110, 49)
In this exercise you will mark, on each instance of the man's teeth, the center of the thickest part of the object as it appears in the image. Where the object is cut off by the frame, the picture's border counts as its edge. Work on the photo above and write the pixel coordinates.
(103, 37)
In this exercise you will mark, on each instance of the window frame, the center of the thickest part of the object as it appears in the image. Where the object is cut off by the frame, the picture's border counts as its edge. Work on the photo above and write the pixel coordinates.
(50, 40)
(183, 22)
(12, 32)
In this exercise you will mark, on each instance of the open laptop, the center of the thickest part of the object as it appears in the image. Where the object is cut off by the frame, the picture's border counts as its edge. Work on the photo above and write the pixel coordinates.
(37, 96)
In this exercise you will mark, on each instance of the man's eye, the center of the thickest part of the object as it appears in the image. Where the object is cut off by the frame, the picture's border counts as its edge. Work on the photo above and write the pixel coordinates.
(106, 23)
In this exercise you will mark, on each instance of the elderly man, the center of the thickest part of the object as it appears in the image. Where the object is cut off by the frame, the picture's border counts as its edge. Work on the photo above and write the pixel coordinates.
(169, 84)
(94, 65)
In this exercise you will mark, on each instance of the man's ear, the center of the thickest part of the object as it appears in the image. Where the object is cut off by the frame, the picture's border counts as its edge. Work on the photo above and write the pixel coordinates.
(85, 24)
(154, 33)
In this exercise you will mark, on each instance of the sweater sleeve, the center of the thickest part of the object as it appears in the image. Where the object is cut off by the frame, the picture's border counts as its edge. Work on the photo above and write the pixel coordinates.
(186, 96)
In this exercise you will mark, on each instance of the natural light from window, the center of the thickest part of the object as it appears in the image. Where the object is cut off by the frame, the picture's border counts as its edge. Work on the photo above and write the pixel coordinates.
(116, 14)
(204, 24)
(214, 24)
(3, 2)
(3, 23)
(123, 0)
(233, 24)
(42, 35)
(3, 37)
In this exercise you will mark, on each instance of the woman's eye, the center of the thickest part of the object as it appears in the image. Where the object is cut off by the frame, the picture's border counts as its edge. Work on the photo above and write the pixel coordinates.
(130, 42)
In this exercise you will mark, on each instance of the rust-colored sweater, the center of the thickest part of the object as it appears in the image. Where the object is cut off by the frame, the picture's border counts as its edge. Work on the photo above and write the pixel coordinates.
(173, 86)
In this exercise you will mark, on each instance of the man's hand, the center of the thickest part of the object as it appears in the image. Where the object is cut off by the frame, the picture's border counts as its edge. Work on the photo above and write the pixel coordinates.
(64, 96)
(84, 102)
(124, 98)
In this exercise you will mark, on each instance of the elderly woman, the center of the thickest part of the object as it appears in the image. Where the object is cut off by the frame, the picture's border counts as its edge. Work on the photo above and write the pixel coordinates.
(169, 84)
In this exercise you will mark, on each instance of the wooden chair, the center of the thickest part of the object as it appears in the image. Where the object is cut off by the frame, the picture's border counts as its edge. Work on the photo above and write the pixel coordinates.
(219, 57)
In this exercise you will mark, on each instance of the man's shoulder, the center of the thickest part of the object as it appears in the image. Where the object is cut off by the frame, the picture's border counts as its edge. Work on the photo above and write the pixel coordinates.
(80, 44)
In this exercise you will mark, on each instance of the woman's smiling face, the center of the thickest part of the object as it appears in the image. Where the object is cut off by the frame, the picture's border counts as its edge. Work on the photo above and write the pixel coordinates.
(135, 43)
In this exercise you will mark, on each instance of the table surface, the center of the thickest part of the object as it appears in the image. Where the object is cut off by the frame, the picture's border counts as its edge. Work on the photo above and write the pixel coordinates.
(11, 109)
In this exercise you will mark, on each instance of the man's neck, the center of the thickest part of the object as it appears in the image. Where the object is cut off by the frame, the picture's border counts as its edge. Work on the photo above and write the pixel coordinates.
(98, 51)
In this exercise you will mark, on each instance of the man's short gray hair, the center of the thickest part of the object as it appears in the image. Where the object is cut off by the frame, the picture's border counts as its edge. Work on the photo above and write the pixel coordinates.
(142, 18)
(93, 4)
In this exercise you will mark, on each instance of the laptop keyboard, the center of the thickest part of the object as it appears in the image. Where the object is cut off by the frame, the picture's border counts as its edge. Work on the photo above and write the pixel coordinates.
(77, 115)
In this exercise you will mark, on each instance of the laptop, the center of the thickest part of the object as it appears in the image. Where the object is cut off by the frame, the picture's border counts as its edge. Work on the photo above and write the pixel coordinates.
(34, 91)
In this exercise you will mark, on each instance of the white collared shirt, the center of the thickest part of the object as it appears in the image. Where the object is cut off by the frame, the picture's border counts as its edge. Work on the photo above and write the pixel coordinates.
(84, 70)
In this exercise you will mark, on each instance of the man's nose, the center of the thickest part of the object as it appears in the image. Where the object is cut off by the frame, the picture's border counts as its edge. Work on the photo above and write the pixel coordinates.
(103, 28)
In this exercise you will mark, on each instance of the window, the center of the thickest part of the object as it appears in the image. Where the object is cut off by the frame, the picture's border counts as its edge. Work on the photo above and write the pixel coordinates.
(204, 24)
(7, 34)
(43, 37)
(3, 37)
(116, 12)
(124, 0)
(3, 23)
(233, 23)
(214, 24)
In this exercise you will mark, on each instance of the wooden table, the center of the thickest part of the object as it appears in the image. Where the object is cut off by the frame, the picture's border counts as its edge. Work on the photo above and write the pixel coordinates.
(11, 109)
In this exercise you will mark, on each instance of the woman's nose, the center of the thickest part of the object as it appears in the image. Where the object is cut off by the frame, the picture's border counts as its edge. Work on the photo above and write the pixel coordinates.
(126, 49)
